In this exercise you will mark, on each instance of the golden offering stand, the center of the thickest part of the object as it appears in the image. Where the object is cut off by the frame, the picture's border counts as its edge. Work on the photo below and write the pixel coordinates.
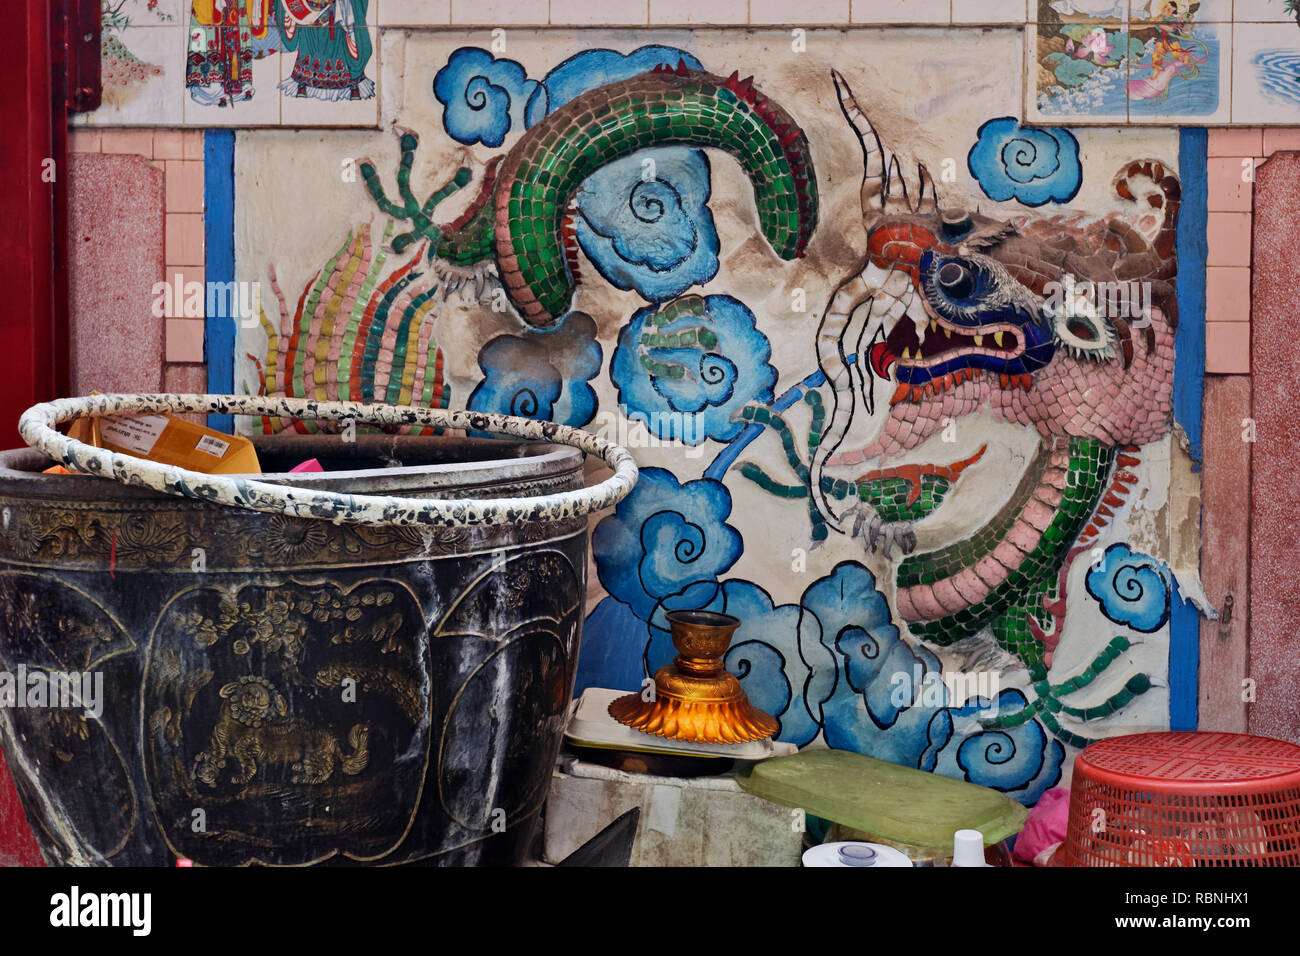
(695, 697)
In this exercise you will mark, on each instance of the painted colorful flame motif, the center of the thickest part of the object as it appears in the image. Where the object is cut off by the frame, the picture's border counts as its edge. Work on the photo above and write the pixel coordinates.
(353, 337)
(522, 220)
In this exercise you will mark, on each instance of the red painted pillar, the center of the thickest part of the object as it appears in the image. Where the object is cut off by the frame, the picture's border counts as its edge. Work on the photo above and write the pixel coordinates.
(33, 209)
(1275, 460)
(33, 243)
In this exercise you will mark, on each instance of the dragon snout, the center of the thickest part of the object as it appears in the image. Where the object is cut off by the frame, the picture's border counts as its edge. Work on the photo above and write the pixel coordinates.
(970, 316)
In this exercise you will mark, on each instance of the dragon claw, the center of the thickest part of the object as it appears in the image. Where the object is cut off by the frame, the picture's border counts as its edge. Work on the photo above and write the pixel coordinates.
(880, 536)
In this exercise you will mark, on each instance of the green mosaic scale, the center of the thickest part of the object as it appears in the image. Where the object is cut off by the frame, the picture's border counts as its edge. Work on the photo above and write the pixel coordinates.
(519, 215)
(1006, 608)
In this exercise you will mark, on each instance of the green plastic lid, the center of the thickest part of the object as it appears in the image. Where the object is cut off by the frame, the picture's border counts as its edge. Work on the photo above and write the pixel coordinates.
(899, 804)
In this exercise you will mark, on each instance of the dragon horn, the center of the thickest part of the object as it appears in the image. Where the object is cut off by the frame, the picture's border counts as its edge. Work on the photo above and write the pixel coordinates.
(884, 188)
(873, 152)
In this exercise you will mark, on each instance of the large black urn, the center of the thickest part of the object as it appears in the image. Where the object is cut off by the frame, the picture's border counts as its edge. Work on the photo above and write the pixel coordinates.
(286, 690)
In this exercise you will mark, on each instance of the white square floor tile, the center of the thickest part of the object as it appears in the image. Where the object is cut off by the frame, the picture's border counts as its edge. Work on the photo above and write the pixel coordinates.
(900, 11)
(990, 11)
(410, 13)
(1262, 11)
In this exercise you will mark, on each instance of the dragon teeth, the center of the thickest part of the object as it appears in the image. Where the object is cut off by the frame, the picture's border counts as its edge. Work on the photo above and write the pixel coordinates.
(920, 320)
(997, 339)
(979, 340)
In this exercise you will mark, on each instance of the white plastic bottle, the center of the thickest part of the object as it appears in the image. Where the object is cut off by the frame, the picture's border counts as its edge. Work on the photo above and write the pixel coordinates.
(968, 848)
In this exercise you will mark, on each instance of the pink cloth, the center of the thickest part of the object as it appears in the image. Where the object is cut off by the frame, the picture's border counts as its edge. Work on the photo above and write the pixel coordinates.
(1045, 828)
(311, 464)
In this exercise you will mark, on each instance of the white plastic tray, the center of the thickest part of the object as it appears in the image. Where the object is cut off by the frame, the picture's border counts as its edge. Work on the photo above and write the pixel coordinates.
(591, 726)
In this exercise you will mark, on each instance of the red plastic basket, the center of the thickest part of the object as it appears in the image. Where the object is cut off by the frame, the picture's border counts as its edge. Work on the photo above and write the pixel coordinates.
(1185, 799)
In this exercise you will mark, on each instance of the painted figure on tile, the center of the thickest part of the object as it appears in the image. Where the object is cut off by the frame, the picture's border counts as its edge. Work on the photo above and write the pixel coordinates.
(333, 48)
(121, 69)
(1176, 52)
(226, 36)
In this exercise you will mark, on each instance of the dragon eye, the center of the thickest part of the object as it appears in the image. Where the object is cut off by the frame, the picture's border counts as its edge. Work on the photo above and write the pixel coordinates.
(1082, 330)
(1085, 334)
(956, 280)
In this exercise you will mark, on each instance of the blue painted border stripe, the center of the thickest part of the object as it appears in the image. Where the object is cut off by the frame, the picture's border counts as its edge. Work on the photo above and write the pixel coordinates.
(219, 241)
(1184, 661)
(1189, 389)
(1192, 247)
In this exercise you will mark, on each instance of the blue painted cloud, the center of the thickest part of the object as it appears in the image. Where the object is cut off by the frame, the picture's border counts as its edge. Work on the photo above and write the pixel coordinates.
(663, 537)
(850, 617)
(613, 648)
(543, 375)
(483, 98)
(690, 390)
(520, 379)
(1031, 166)
(645, 223)
(1132, 589)
(1022, 761)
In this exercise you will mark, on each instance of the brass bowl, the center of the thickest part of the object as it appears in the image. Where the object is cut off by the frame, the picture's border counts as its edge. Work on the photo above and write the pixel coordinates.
(702, 635)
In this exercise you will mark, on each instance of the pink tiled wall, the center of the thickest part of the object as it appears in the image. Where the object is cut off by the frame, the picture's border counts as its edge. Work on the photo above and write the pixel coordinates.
(178, 154)
(1234, 157)
(1243, 526)
(1234, 154)
(115, 255)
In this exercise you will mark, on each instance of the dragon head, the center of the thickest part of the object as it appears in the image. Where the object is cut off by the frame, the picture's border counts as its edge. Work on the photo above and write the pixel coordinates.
(969, 311)
(1062, 323)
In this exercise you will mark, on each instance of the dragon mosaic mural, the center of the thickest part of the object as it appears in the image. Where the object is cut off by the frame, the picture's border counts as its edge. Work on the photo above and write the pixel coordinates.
(1056, 325)
(958, 316)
